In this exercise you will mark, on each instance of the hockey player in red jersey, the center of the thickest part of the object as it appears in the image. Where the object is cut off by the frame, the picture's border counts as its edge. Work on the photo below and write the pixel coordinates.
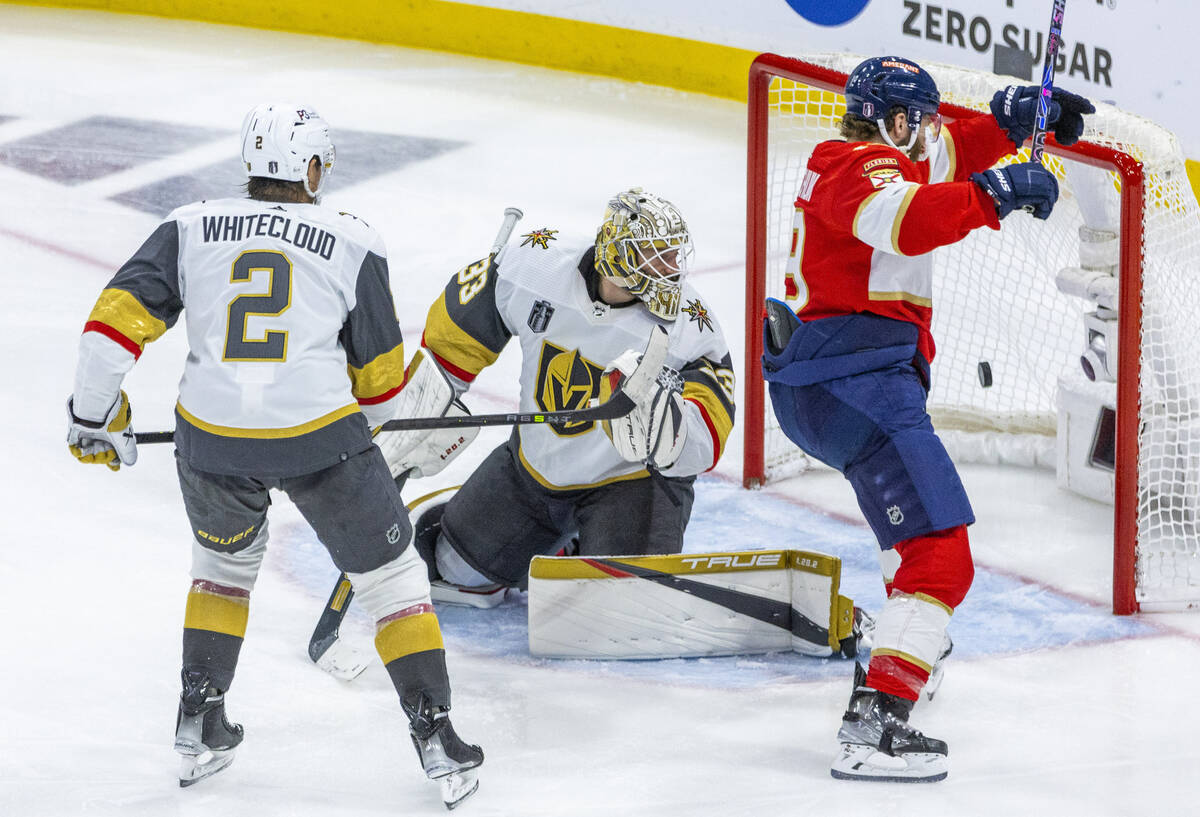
(279, 391)
(848, 372)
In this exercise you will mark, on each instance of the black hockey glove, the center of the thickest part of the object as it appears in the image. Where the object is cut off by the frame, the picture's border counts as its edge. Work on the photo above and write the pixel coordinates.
(1027, 185)
(1015, 110)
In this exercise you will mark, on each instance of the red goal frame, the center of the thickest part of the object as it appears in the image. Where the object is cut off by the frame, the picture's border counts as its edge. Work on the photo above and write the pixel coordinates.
(1125, 524)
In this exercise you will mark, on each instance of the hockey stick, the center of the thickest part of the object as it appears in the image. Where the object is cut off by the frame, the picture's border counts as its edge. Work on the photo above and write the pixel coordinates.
(343, 661)
(635, 388)
(1053, 41)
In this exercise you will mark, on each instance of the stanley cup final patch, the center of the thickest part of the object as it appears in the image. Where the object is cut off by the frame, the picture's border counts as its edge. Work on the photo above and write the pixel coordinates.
(539, 316)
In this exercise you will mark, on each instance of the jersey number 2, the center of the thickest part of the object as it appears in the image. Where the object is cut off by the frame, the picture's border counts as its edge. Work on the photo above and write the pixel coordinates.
(273, 345)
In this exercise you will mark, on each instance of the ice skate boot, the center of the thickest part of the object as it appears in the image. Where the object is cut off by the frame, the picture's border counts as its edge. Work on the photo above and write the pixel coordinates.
(444, 755)
(939, 668)
(203, 736)
(877, 742)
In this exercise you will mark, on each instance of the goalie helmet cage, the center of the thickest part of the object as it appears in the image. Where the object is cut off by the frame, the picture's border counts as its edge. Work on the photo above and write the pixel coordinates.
(997, 303)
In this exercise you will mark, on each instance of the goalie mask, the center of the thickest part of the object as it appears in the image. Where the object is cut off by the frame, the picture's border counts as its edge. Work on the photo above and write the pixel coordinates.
(279, 139)
(644, 247)
(877, 85)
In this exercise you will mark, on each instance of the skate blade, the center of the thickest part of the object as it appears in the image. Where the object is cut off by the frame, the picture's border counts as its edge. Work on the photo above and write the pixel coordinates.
(194, 768)
(343, 661)
(483, 597)
(458, 786)
(859, 762)
(935, 682)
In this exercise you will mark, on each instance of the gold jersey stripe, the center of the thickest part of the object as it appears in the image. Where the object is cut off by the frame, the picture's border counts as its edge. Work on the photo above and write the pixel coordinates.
(901, 296)
(711, 402)
(267, 433)
(216, 613)
(545, 483)
(903, 656)
(379, 376)
(899, 220)
(928, 599)
(124, 313)
(951, 153)
(451, 343)
(407, 635)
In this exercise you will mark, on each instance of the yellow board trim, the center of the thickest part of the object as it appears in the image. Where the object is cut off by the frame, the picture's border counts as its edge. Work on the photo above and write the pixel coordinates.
(267, 433)
(460, 28)
(378, 376)
(215, 613)
(511, 36)
(125, 313)
(405, 636)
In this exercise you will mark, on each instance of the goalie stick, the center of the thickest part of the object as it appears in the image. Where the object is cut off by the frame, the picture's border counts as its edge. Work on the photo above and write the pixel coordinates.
(635, 388)
(1053, 41)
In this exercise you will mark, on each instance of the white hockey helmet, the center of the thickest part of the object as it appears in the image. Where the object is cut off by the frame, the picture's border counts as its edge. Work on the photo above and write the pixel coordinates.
(644, 246)
(279, 140)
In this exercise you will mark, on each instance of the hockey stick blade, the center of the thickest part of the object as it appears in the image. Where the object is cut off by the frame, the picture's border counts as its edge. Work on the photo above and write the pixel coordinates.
(636, 387)
(326, 632)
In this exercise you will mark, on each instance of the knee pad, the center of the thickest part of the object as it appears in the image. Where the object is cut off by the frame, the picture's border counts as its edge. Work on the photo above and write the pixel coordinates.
(937, 565)
(394, 586)
(231, 569)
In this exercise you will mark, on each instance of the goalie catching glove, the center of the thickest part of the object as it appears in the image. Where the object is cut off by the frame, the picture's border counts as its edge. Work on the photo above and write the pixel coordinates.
(655, 431)
(427, 392)
(105, 442)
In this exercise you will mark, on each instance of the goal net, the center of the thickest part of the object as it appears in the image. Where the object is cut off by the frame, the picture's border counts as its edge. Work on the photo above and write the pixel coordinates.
(1019, 314)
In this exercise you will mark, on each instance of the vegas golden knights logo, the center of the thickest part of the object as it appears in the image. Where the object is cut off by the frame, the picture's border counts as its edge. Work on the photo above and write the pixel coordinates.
(566, 380)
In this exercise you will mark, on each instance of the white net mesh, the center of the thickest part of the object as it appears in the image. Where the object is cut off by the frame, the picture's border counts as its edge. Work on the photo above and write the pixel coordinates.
(996, 302)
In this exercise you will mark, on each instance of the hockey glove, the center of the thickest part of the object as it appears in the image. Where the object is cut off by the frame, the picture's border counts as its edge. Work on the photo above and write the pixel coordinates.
(109, 441)
(1027, 185)
(1015, 109)
(655, 431)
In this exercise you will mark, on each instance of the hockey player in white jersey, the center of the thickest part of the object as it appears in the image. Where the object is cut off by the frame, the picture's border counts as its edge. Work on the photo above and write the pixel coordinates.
(578, 309)
(294, 354)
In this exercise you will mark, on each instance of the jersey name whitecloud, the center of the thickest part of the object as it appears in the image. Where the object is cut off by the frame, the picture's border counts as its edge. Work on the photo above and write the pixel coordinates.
(300, 234)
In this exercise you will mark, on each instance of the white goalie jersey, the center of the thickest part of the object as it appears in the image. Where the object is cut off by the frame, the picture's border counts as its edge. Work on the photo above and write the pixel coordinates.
(545, 294)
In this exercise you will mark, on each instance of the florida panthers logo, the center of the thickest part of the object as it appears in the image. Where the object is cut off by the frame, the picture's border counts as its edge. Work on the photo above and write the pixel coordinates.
(566, 380)
(539, 238)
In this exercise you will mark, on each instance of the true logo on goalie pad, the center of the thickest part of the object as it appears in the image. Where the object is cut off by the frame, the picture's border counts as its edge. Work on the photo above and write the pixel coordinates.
(540, 315)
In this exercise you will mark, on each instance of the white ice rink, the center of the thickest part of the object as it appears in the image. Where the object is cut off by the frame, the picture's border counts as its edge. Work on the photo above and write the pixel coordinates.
(1050, 705)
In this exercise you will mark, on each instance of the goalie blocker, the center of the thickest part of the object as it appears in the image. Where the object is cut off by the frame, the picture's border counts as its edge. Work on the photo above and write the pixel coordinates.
(690, 604)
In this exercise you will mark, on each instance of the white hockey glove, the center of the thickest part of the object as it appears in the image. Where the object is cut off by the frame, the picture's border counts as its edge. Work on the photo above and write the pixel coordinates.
(427, 392)
(109, 441)
(433, 449)
(655, 432)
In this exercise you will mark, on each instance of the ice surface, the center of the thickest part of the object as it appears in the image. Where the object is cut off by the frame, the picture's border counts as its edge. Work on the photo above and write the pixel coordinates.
(1050, 705)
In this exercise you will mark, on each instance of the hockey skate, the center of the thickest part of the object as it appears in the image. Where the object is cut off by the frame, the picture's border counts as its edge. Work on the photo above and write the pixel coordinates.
(877, 742)
(939, 668)
(444, 755)
(203, 736)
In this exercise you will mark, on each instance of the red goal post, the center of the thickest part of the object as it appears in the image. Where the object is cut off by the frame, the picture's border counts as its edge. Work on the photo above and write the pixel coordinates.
(793, 104)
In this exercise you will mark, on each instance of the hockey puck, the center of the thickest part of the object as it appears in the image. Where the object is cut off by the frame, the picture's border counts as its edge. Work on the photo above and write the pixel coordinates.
(984, 370)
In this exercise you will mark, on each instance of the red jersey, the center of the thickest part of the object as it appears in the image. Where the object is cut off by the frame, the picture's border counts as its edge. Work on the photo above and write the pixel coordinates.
(867, 219)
